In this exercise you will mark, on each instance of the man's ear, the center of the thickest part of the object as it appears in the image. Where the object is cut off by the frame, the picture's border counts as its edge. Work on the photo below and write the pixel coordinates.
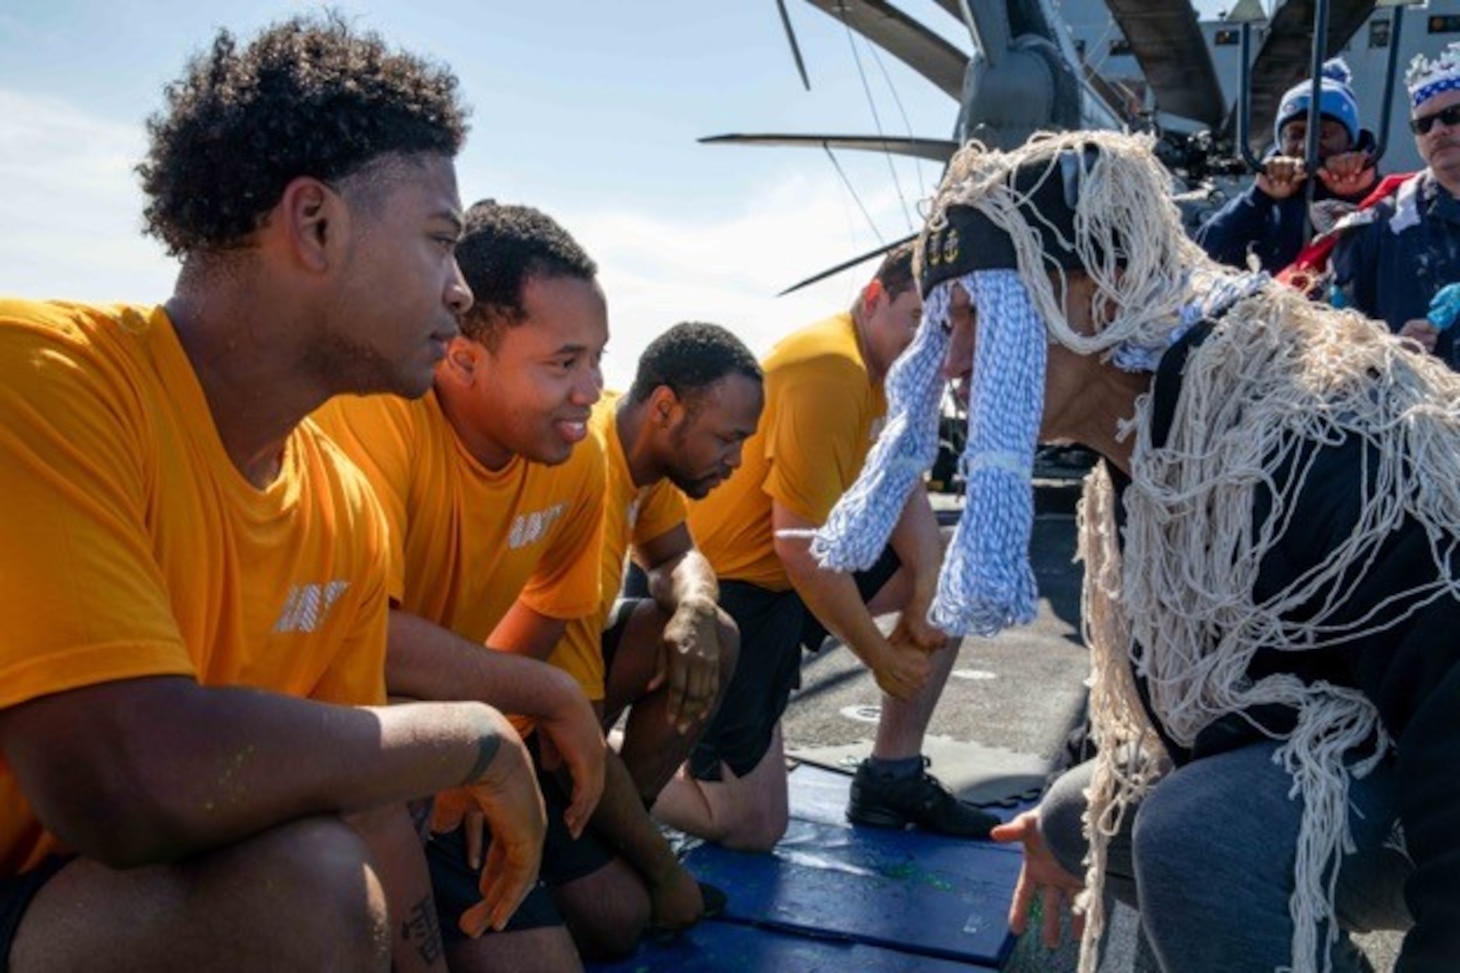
(871, 293)
(463, 356)
(664, 406)
(314, 220)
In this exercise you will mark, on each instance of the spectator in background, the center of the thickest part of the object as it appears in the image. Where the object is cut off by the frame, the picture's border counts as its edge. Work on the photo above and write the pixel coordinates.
(1270, 219)
(1392, 259)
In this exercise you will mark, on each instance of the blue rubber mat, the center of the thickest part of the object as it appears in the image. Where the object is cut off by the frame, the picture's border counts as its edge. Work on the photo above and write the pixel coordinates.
(903, 890)
(718, 947)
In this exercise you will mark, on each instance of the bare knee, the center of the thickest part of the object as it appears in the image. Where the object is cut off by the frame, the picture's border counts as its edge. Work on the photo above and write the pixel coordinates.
(321, 872)
(750, 825)
(302, 896)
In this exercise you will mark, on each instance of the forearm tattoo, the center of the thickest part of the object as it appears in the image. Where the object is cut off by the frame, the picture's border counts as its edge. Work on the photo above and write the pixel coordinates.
(487, 746)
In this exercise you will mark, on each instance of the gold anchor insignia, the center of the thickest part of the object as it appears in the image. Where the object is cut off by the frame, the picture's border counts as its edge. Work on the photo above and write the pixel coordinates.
(950, 247)
(934, 251)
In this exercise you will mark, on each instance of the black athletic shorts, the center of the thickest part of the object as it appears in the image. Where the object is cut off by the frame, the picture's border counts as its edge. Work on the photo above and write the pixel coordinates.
(456, 885)
(775, 626)
(16, 894)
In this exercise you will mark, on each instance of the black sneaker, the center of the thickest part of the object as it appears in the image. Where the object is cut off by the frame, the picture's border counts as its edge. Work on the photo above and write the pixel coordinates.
(920, 799)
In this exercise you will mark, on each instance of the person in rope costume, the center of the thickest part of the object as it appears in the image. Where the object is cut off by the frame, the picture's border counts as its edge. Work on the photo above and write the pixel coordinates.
(1271, 551)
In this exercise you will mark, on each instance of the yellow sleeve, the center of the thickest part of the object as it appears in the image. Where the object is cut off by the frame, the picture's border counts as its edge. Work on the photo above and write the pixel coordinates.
(662, 510)
(811, 443)
(567, 581)
(86, 601)
(372, 431)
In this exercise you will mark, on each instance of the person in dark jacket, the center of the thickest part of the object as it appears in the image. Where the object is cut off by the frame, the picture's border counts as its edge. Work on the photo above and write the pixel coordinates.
(1270, 219)
(1392, 259)
(1272, 570)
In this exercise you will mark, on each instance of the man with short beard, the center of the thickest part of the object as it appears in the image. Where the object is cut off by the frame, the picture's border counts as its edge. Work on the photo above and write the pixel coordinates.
(1393, 258)
(667, 656)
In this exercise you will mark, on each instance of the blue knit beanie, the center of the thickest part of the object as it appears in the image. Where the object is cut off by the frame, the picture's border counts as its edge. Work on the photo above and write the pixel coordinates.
(1335, 100)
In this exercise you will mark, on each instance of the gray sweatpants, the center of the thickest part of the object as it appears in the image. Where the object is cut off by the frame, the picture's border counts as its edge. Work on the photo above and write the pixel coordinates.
(1207, 861)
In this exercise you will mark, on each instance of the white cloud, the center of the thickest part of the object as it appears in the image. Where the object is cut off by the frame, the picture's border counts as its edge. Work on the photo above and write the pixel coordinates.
(70, 214)
(658, 271)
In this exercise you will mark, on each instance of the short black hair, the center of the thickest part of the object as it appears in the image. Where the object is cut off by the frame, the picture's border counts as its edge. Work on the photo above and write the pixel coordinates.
(308, 97)
(895, 273)
(502, 247)
(690, 357)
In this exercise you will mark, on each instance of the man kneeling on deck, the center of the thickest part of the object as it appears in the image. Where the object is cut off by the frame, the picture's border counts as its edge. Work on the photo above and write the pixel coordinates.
(678, 432)
(665, 658)
(824, 406)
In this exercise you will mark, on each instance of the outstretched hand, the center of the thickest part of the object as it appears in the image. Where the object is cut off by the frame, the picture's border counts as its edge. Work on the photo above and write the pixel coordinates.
(1042, 876)
(506, 794)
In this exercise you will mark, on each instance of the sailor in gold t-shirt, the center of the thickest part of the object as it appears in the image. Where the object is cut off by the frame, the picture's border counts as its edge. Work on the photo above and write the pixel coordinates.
(121, 507)
(494, 488)
(196, 771)
(695, 399)
(824, 409)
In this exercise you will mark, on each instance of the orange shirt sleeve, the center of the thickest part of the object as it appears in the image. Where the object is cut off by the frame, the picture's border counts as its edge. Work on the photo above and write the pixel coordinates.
(356, 674)
(660, 512)
(86, 601)
(812, 440)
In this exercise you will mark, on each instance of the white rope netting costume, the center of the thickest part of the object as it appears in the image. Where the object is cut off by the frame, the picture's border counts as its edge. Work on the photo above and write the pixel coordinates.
(1175, 602)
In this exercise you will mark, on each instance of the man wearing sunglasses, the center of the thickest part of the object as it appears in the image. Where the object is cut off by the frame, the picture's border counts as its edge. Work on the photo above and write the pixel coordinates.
(1392, 259)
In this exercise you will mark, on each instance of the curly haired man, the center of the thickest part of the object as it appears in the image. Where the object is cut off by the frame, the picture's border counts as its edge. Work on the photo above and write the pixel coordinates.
(198, 771)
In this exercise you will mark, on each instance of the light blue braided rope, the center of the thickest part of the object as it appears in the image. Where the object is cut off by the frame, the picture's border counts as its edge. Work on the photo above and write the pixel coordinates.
(987, 583)
(856, 530)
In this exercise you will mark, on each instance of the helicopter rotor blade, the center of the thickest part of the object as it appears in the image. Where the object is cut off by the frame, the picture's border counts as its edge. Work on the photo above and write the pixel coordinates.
(795, 47)
(934, 150)
(830, 271)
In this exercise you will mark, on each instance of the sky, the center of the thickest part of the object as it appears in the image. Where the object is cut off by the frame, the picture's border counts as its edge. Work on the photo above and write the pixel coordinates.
(587, 109)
